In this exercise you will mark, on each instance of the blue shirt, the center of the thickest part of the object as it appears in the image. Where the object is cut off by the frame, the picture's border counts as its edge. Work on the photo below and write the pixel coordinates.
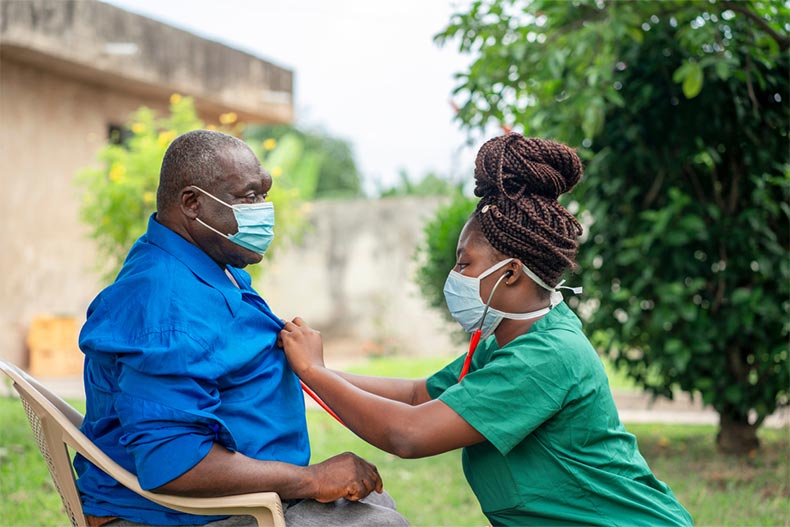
(177, 358)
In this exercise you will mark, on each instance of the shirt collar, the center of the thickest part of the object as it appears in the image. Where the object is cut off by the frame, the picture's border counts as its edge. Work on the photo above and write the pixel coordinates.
(195, 259)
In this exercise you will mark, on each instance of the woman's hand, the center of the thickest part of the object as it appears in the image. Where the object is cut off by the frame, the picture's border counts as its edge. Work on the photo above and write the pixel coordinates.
(303, 346)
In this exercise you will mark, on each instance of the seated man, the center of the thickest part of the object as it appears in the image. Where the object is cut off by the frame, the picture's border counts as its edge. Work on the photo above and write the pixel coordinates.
(185, 384)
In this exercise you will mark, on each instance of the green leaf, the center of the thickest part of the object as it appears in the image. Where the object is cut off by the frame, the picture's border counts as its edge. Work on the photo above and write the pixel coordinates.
(636, 34)
(671, 124)
(741, 296)
(692, 82)
(681, 72)
(593, 120)
(733, 394)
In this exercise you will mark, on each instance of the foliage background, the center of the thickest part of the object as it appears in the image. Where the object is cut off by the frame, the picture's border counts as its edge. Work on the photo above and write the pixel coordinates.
(680, 110)
(336, 175)
(119, 195)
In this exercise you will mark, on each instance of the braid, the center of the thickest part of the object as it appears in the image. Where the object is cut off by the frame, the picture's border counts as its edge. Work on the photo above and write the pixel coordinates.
(518, 180)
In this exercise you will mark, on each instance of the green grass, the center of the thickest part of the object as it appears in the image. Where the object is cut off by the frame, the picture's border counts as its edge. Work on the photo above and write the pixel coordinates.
(717, 490)
(429, 492)
(27, 495)
(400, 366)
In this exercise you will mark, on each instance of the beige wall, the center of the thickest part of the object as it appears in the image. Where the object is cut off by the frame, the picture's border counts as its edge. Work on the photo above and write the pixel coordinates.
(60, 88)
(352, 276)
(77, 37)
(50, 127)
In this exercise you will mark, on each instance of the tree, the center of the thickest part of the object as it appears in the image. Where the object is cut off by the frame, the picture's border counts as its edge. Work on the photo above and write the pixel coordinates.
(430, 184)
(338, 175)
(681, 112)
(119, 195)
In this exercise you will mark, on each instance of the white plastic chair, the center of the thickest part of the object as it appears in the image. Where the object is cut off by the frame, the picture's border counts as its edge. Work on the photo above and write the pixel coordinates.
(55, 425)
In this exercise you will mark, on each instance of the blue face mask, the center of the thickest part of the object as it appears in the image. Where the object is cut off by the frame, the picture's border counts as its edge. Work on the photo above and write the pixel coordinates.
(255, 222)
(462, 294)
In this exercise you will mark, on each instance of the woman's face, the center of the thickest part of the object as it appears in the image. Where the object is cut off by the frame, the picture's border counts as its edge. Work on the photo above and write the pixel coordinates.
(474, 255)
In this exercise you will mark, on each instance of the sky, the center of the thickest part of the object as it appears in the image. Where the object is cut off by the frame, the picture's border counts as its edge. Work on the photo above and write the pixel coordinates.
(368, 72)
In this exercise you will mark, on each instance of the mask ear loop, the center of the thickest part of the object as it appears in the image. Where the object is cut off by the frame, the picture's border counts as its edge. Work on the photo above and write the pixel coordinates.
(475, 340)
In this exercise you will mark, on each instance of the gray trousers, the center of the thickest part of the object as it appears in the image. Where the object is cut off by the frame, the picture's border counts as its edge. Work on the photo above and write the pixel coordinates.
(376, 510)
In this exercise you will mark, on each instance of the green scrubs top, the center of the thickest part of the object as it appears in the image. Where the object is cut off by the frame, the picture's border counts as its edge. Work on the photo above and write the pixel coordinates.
(555, 450)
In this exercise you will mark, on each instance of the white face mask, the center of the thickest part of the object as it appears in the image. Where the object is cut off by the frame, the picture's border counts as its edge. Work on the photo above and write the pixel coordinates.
(462, 294)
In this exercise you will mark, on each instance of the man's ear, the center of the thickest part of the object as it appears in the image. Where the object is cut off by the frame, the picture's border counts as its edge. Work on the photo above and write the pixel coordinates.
(188, 202)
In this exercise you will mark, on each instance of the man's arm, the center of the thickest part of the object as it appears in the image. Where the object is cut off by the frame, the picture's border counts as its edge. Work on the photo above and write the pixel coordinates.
(223, 473)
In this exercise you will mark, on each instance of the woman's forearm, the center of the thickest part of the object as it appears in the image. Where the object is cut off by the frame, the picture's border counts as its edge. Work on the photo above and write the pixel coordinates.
(393, 415)
(394, 426)
(409, 391)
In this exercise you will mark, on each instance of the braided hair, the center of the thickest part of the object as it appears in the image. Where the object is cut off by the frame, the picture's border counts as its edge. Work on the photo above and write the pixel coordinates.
(518, 180)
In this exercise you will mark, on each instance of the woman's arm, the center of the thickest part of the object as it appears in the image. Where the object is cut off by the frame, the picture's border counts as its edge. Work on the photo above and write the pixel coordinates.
(409, 391)
(390, 424)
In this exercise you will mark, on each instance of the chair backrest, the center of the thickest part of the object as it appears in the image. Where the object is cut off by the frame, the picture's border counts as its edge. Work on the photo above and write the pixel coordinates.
(48, 415)
(55, 425)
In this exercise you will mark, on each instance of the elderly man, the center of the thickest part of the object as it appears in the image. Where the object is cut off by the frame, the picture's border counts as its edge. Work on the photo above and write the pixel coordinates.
(185, 384)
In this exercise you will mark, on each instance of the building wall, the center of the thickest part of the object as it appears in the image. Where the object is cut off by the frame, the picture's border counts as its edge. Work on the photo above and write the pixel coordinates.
(79, 36)
(61, 86)
(352, 277)
(52, 126)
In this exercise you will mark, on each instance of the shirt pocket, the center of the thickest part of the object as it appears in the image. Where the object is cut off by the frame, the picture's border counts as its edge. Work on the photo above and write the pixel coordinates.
(489, 474)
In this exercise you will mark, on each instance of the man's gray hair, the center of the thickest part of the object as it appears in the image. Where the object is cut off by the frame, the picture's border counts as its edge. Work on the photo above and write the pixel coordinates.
(193, 159)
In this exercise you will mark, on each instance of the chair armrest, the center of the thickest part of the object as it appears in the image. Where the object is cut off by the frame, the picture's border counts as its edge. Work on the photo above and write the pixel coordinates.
(266, 507)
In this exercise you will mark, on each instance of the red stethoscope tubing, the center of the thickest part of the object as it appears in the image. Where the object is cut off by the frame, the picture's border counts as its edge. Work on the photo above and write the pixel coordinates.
(475, 340)
(472, 347)
(467, 361)
(321, 403)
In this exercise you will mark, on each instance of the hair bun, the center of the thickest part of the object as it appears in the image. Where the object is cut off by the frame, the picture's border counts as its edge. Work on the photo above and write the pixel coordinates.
(518, 166)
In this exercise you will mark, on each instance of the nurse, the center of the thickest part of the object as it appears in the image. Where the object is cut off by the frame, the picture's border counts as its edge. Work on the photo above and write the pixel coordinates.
(530, 404)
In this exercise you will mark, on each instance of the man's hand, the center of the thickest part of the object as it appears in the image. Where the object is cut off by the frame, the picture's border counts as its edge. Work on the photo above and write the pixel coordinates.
(345, 476)
(225, 473)
(303, 346)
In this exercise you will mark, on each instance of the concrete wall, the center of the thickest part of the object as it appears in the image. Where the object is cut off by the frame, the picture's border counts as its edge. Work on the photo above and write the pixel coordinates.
(59, 91)
(352, 277)
(124, 51)
(62, 83)
(51, 126)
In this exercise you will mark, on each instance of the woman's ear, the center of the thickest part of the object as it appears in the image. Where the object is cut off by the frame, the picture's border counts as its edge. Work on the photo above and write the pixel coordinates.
(513, 271)
(188, 203)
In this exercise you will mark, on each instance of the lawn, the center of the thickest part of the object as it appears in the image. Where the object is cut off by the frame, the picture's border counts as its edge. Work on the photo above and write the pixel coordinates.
(718, 490)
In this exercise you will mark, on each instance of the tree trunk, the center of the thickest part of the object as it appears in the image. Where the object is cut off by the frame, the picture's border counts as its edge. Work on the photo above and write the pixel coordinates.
(736, 435)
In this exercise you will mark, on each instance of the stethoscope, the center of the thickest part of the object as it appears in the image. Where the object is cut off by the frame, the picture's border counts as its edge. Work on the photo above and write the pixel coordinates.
(475, 340)
(314, 396)
(472, 347)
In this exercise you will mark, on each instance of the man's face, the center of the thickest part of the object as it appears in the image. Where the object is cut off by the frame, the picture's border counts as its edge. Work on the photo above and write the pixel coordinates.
(243, 181)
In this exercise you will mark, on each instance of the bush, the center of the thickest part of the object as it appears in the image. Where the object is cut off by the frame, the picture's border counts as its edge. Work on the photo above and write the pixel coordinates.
(436, 255)
(118, 197)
